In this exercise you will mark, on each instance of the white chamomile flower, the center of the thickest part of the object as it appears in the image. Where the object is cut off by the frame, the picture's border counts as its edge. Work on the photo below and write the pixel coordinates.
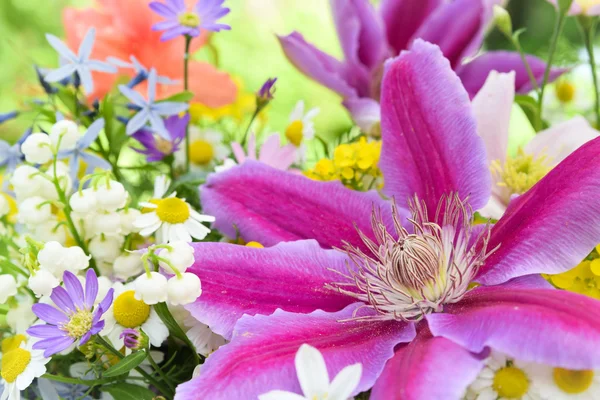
(184, 289)
(128, 312)
(66, 132)
(180, 255)
(42, 282)
(503, 379)
(34, 210)
(314, 379)
(105, 248)
(206, 149)
(83, 201)
(111, 196)
(20, 367)
(570, 95)
(37, 148)
(151, 288)
(301, 125)
(202, 337)
(563, 384)
(8, 287)
(172, 217)
(128, 265)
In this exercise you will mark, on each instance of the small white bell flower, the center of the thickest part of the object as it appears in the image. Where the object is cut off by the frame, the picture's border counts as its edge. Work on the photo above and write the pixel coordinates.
(151, 289)
(52, 257)
(4, 206)
(127, 218)
(128, 265)
(106, 248)
(184, 290)
(108, 223)
(8, 287)
(111, 197)
(42, 282)
(26, 181)
(84, 201)
(75, 259)
(67, 132)
(37, 148)
(33, 212)
(181, 256)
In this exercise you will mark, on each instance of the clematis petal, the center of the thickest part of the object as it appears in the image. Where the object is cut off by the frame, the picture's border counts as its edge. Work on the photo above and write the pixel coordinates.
(315, 64)
(403, 18)
(244, 196)
(427, 368)
(553, 226)
(430, 142)
(557, 142)
(474, 73)
(260, 357)
(546, 326)
(458, 28)
(290, 276)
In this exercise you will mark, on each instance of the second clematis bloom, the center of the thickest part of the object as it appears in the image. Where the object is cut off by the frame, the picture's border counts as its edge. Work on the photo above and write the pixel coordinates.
(368, 37)
(402, 296)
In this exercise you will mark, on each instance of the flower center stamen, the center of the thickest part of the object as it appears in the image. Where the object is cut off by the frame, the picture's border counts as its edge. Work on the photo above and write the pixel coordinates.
(520, 173)
(201, 152)
(573, 381)
(565, 91)
(404, 275)
(130, 312)
(14, 363)
(164, 146)
(510, 382)
(173, 210)
(11, 343)
(293, 132)
(189, 19)
(79, 324)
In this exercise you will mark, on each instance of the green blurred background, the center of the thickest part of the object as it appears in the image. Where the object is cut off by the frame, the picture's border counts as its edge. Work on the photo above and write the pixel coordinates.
(249, 50)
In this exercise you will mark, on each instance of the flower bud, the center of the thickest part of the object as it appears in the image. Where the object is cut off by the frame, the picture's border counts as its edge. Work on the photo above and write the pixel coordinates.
(184, 290)
(37, 148)
(151, 289)
(181, 256)
(135, 339)
(502, 20)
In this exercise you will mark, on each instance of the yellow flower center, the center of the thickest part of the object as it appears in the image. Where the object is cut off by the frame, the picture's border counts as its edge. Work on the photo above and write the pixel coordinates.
(573, 381)
(293, 133)
(14, 363)
(173, 210)
(587, 4)
(520, 173)
(130, 312)
(255, 245)
(79, 324)
(164, 146)
(189, 19)
(201, 152)
(565, 91)
(510, 382)
(12, 342)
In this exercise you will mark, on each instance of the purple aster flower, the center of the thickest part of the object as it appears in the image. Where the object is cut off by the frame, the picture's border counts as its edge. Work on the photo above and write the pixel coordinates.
(134, 339)
(74, 319)
(400, 299)
(180, 21)
(155, 146)
(368, 37)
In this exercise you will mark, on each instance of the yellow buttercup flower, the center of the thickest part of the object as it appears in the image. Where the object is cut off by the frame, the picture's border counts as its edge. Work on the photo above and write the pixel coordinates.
(244, 104)
(583, 279)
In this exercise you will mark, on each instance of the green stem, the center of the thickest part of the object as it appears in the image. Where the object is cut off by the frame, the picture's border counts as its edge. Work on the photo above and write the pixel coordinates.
(256, 112)
(75, 381)
(560, 22)
(588, 31)
(164, 391)
(186, 59)
(517, 45)
(160, 371)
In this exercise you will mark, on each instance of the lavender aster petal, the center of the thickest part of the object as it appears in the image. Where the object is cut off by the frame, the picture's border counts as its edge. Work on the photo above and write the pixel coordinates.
(61, 298)
(91, 288)
(49, 314)
(74, 289)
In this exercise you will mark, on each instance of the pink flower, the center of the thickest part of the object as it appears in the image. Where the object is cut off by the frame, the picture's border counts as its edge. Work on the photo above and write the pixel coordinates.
(271, 152)
(585, 7)
(124, 29)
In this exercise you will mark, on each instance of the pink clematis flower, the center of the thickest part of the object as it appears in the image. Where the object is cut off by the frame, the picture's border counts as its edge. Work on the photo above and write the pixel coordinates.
(368, 37)
(399, 299)
(271, 152)
(124, 28)
(585, 7)
(514, 175)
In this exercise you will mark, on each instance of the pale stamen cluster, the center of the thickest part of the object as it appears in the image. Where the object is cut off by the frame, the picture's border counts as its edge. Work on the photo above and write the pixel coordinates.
(416, 269)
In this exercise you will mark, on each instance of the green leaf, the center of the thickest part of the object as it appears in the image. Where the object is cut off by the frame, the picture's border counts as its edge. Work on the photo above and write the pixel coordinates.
(67, 97)
(564, 6)
(183, 97)
(125, 365)
(529, 106)
(128, 391)
(165, 315)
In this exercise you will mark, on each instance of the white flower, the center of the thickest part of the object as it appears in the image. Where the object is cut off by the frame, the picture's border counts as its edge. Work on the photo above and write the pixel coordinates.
(19, 368)
(128, 217)
(20, 318)
(172, 217)
(151, 289)
(314, 379)
(181, 256)
(51, 257)
(105, 248)
(4, 206)
(27, 182)
(203, 338)
(227, 164)
(37, 148)
(50, 231)
(184, 290)
(128, 265)
(127, 311)
(66, 132)
(8, 287)
(107, 223)
(206, 149)
(34, 211)
(42, 282)
(75, 259)
(83, 201)
(111, 196)
(301, 125)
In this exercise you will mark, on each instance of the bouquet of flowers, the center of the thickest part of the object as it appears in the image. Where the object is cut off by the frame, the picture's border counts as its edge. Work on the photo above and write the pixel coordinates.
(159, 241)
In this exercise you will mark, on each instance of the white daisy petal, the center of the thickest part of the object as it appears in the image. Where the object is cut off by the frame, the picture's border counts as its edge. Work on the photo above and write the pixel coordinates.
(312, 371)
(196, 229)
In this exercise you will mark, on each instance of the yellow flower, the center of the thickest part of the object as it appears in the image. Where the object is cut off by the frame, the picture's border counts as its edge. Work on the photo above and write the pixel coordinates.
(244, 104)
(583, 279)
